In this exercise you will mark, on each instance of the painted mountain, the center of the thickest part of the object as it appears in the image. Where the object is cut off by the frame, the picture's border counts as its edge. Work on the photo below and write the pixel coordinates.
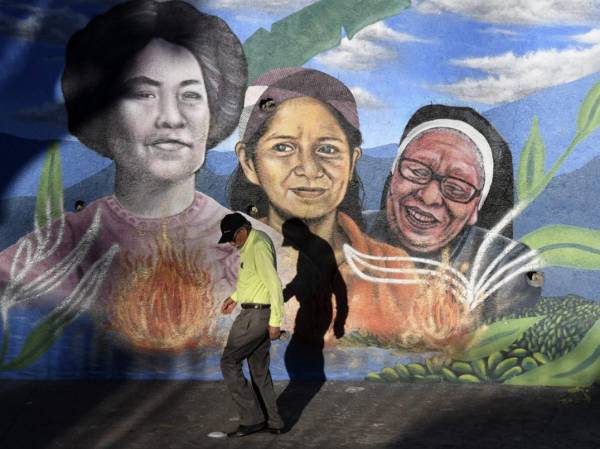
(557, 119)
(23, 160)
(16, 214)
(19, 156)
(571, 198)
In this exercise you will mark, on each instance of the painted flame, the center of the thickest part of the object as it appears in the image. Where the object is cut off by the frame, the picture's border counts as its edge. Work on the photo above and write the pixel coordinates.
(439, 317)
(163, 302)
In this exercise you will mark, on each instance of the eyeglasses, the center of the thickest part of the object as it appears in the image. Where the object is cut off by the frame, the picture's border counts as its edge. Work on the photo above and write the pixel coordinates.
(454, 189)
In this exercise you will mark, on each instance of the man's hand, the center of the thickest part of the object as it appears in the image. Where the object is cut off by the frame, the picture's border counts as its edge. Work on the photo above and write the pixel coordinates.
(274, 333)
(228, 306)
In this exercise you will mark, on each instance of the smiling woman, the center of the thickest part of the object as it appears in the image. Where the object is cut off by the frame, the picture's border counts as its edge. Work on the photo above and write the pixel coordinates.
(304, 161)
(298, 153)
(159, 128)
(152, 85)
(451, 179)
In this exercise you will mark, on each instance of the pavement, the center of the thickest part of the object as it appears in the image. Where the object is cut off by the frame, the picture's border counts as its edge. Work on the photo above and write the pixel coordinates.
(180, 414)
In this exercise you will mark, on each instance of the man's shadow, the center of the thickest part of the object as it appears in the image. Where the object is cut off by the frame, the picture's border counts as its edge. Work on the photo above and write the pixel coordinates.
(317, 280)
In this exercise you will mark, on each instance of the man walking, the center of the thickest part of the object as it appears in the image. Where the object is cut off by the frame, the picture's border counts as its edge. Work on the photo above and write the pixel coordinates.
(260, 295)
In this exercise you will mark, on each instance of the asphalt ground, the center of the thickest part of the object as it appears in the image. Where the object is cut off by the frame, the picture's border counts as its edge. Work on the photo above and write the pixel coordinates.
(180, 414)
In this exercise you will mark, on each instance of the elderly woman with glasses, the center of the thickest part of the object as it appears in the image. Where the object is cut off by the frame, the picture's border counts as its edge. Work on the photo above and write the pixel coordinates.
(451, 179)
(298, 154)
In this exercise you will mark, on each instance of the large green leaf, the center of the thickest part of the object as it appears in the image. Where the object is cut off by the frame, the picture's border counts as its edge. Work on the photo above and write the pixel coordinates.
(531, 166)
(51, 327)
(589, 113)
(495, 337)
(566, 246)
(588, 121)
(579, 367)
(41, 338)
(50, 189)
(298, 37)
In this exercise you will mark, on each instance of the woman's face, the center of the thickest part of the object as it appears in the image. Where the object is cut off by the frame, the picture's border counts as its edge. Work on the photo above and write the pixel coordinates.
(303, 161)
(158, 128)
(420, 217)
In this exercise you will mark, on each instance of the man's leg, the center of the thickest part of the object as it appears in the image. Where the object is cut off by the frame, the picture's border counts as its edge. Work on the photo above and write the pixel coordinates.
(258, 362)
(243, 339)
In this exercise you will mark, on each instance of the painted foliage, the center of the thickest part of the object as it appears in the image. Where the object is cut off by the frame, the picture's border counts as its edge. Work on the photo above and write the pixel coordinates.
(429, 281)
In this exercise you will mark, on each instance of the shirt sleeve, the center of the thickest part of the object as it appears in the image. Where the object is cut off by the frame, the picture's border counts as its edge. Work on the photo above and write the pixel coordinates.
(235, 295)
(267, 271)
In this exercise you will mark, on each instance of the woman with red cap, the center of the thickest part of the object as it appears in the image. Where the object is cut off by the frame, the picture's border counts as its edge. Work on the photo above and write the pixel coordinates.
(300, 143)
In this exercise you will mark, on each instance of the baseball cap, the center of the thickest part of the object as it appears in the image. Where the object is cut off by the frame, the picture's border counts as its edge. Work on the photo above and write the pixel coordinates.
(281, 84)
(229, 224)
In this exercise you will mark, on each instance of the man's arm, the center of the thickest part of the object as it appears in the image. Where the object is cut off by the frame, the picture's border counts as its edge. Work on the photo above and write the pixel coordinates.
(265, 265)
(229, 304)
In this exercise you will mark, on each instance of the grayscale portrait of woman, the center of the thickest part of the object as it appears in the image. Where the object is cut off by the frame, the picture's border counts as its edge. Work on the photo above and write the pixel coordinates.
(153, 86)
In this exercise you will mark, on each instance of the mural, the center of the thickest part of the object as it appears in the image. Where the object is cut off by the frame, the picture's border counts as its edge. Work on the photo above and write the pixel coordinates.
(421, 260)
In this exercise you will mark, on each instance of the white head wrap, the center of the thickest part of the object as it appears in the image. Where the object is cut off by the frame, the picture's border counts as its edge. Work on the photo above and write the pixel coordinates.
(478, 139)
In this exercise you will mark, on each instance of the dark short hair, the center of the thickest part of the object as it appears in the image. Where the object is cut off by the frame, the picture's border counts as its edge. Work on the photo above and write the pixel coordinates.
(241, 190)
(99, 54)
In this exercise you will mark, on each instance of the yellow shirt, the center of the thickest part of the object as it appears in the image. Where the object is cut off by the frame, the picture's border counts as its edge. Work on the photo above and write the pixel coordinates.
(258, 282)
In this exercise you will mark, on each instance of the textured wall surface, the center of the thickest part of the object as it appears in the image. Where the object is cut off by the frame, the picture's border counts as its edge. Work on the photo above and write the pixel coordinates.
(424, 228)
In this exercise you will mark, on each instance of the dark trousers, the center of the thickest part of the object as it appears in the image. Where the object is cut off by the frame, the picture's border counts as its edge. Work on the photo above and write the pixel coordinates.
(249, 339)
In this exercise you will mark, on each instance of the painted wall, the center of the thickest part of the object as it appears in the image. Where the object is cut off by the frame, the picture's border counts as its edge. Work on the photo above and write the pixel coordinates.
(468, 252)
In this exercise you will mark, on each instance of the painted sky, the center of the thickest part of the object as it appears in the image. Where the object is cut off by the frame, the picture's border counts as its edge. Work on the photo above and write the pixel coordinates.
(466, 52)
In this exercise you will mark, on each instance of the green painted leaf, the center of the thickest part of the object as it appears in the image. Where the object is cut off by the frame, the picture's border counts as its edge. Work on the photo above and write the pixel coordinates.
(50, 188)
(589, 113)
(531, 166)
(579, 367)
(316, 28)
(41, 338)
(496, 337)
(566, 246)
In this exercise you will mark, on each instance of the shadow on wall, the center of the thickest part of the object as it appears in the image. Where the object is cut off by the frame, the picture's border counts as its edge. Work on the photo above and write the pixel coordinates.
(317, 280)
(14, 162)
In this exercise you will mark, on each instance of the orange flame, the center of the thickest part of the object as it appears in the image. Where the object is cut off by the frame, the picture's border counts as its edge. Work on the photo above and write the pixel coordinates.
(437, 318)
(163, 302)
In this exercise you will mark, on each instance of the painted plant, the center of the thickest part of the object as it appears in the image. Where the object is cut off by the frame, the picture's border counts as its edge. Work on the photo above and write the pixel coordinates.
(399, 261)
(159, 294)
(557, 344)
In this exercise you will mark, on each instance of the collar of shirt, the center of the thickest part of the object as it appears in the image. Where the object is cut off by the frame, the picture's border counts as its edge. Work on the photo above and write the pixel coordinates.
(248, 243)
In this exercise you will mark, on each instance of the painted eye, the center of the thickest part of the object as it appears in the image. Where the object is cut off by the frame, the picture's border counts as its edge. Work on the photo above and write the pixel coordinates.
(454, 189)
(191, 96)
(420, 172)
(457, 190)
(142, 95)
(282, 148)
(327, 149)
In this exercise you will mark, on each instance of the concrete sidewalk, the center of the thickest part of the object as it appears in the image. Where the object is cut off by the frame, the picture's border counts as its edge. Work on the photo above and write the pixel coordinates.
(158, 414)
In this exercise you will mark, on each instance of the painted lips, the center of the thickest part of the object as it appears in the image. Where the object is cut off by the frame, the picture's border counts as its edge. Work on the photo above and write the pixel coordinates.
(308, 192)
(169, 145)
(420, 218)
